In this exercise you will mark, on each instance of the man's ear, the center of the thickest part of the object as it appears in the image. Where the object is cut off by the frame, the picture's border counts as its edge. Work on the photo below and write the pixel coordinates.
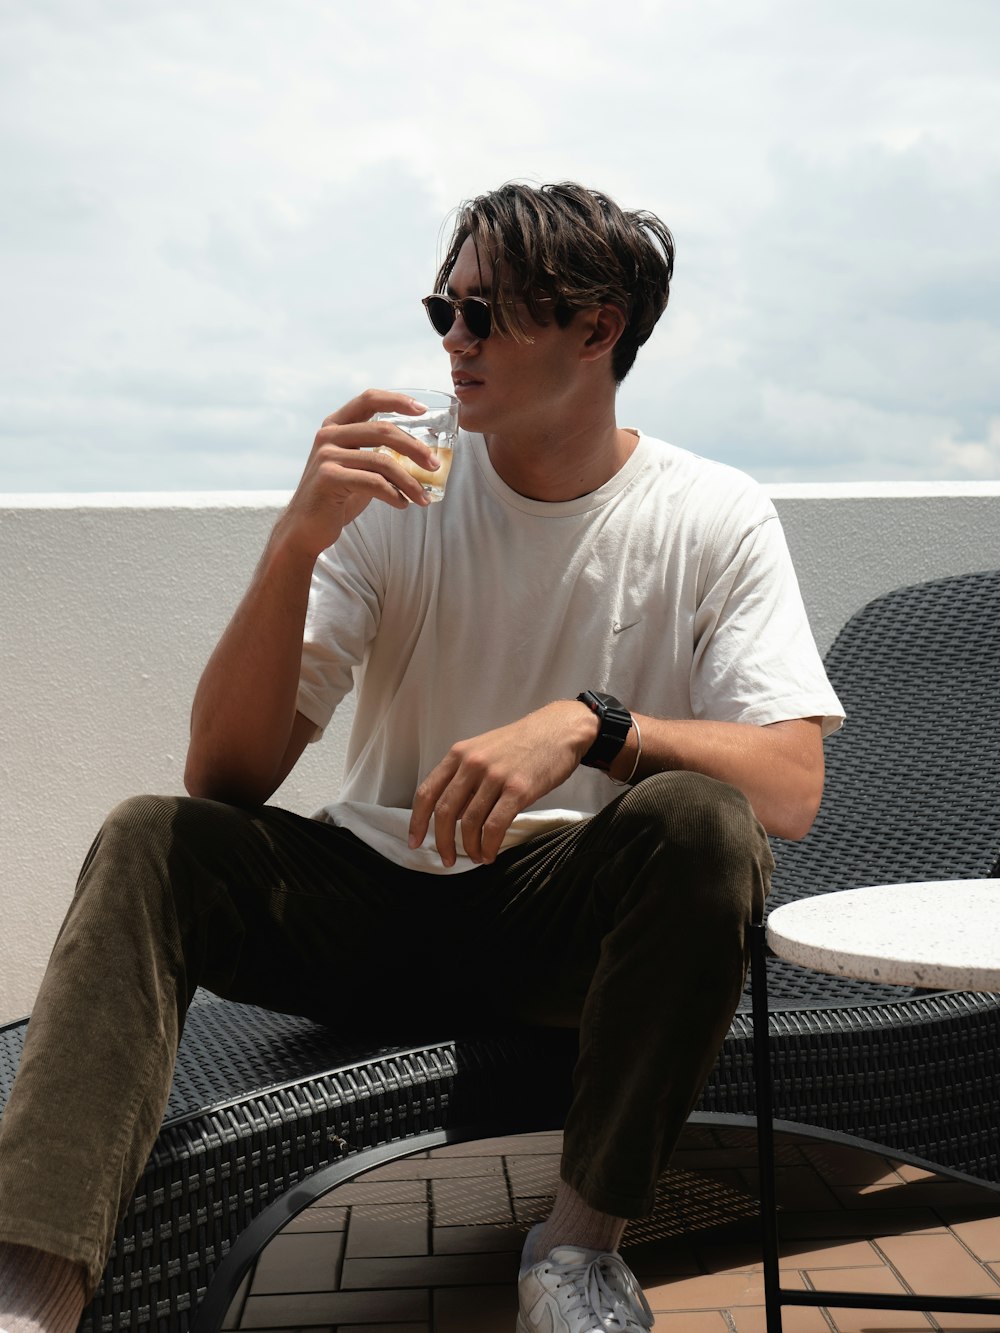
(606, 324)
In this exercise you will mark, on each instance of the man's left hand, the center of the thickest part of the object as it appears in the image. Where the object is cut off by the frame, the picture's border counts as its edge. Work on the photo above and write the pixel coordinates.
(483, 783)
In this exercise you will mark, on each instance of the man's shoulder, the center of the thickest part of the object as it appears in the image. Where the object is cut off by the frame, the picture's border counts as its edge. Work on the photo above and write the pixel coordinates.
(701, 482)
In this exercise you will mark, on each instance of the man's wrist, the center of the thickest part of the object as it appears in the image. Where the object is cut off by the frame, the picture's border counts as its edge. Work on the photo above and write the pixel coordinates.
(614, 725)
(584, 726)
(624, 771)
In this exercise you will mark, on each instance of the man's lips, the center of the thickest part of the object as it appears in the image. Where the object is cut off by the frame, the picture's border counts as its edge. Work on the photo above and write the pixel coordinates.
(463, 381)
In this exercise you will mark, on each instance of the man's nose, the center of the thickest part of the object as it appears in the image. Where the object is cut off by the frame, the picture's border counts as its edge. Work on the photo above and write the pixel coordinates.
(459, 340)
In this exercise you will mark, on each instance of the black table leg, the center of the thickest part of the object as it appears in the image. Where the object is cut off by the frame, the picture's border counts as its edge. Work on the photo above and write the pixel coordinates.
(765, 1127)
(774, 1295)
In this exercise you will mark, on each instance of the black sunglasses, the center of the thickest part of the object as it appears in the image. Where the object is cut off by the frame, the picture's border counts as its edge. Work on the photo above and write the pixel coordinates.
(476, 312)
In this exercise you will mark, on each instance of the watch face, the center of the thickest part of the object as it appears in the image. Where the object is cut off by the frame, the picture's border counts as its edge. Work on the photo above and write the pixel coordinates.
(609, 700)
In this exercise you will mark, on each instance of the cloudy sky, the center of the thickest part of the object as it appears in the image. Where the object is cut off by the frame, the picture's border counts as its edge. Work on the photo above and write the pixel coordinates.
(219, 217)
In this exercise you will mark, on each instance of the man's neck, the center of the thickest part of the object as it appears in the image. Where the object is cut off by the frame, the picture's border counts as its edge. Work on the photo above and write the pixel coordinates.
(552, 466)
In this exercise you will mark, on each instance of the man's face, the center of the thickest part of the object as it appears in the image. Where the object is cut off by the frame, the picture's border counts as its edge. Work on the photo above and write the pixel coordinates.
(504, 385)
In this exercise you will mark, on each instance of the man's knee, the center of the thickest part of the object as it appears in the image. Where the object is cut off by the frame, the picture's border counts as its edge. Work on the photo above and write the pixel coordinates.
(703, 841)
(141, 818)
(139, 846)
(694, 813)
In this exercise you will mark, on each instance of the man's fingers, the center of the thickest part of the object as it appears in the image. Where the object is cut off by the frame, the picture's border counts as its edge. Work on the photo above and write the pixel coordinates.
(448, 809)
(425, 798)
(364, 407)
(494, 828)
(489, 814)
(364, 468)
(358, 443)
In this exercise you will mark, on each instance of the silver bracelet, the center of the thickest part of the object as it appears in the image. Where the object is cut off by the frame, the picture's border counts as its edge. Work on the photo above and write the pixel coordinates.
(635, 767)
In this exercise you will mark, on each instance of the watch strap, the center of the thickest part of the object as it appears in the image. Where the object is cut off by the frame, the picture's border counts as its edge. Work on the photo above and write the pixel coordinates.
(615, 725)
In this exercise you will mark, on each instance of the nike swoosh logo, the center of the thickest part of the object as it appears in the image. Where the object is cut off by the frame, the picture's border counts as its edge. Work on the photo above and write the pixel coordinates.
(619, 628)
(547, 1316)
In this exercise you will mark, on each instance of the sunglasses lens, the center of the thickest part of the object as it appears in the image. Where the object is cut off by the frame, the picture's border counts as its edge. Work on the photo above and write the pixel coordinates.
(475, 312)
(477, 316)
(440, 313)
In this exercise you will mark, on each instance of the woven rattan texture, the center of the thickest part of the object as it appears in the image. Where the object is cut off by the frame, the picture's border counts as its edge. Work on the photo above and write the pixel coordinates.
(261, 1101)
(913, 778)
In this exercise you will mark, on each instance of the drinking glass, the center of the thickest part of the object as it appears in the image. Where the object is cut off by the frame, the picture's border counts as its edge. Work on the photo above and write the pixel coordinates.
(437, 427)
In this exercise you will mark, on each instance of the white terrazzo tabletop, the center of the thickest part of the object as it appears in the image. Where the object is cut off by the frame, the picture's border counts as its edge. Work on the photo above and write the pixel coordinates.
(942, 935)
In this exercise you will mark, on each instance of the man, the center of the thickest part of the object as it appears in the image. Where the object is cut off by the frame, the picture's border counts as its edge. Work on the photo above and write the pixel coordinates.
(572, 859)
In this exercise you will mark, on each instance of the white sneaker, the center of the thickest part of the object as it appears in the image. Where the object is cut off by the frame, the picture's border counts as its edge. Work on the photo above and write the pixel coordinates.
(580, 1291)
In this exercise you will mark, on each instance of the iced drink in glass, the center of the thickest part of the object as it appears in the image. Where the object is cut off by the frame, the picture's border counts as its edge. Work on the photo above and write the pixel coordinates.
(437, 427)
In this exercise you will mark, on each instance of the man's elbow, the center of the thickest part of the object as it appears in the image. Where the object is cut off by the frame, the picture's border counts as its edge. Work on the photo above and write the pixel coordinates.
(212, 783)
(799, 811)
(199, 782)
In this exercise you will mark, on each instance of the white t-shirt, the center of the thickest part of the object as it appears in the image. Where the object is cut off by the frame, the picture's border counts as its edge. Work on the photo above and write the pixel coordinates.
(670, 587)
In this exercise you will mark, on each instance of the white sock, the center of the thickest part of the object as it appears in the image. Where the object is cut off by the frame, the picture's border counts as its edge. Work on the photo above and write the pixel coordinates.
(573, 1222)
(39, 1292)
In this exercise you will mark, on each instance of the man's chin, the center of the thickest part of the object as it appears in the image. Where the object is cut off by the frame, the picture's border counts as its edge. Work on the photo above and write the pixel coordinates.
(469, 419)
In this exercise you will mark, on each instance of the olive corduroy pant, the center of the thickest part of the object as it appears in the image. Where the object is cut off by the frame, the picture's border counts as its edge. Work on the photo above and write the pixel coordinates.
(631, 926)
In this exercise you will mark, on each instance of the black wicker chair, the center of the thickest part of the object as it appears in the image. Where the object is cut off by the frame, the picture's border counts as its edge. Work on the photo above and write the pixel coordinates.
(269, 1111)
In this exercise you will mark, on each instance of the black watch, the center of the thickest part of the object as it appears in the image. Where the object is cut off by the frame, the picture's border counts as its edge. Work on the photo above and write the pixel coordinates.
(616, 723)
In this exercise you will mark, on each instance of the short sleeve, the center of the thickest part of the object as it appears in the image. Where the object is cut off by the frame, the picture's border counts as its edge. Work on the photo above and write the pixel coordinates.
(345, 604)
(755, 656)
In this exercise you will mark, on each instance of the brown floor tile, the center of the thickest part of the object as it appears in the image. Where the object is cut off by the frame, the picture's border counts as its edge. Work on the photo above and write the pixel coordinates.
(387, 1229)
(434, 1270)
(519, 1143)
(533, 1176)
(727, 1156)
(846, 1217)
(232, 1319)
(713, 1291)
(655, 1265)
(705, 1321)
(529, 1211)
(794, 1319)
(477, 1239)
(982, 1236)
(795, 1255)
(384, 1328)
(318, 1219)
(490, 1309)
(929, 1193)
(306, 1261)
(473, 1200)
(840, 1165)
(938, 1264)
(797, 1187)
(870, 1222)
(880, 1280)
(700, 1136)
(438, 1168)
(342, 1307)
(909, 1172)
(379, 1191)
(731, 1179)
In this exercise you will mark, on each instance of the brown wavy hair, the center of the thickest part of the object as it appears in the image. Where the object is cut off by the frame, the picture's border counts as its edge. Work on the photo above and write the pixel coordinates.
(571, 246)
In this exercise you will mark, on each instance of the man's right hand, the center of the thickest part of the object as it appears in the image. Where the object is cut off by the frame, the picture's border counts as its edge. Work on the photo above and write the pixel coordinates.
(344, 474)
(245, 731)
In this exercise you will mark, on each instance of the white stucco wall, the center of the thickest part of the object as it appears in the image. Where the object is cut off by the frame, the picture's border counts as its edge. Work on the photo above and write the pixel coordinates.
(109, 606)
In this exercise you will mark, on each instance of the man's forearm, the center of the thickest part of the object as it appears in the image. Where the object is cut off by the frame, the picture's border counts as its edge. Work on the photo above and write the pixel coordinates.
(778, 767)
(245, 732)
(244, 707)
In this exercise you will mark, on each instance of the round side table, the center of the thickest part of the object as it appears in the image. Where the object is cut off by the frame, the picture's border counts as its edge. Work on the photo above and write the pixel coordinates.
(940, 935)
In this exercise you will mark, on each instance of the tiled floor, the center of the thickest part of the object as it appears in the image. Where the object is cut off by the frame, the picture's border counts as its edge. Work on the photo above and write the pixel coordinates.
(430, 1244)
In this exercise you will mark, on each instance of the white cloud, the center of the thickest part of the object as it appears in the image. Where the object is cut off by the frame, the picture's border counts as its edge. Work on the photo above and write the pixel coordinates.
(973, 458)
(220, 217)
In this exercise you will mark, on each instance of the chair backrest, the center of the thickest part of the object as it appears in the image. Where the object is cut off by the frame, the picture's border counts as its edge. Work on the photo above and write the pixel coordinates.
(913, 778)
